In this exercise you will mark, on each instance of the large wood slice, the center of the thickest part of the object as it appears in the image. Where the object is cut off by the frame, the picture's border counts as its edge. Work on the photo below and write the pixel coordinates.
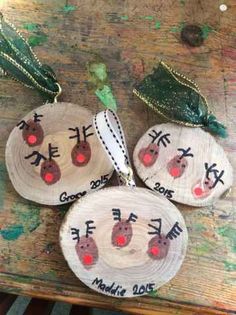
(183, 164)
(53, 155)
(123, 241)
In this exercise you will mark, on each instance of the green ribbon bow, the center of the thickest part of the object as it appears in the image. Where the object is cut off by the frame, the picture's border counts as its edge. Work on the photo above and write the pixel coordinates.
(178, 99)
(19, 61)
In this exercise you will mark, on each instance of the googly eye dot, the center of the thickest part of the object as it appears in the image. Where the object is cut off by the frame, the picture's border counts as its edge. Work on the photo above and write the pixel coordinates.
(120, 228)
(178, 161)
(82, 246)
(164, 243)
(183, 165)
(159, 241)
(156, 152)
(151, 150)
(87, 245)
(206, 182)
(126, 228)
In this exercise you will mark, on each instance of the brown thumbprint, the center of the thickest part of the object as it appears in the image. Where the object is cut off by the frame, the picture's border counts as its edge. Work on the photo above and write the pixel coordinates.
(81, 152)
(192, 35)
(122, 231)
(159, 244)
(202, 189)
(177, 166)
(50, 172)
(86, 247)
(87, 251)
(49, 169)
(158, 247)
(32, 131)
(149, 154)
(33, 134)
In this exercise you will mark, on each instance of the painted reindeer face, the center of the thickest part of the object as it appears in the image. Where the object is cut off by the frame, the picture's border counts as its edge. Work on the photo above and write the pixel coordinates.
(33, 134)
(50, 172)
(86, 247)
(32, 131)
(81, 152)
(202, 189)
(213, 176)
(158, 247)
(87, 251)
(122, 231)
(179, 163)
(149, 154)
(176, 166)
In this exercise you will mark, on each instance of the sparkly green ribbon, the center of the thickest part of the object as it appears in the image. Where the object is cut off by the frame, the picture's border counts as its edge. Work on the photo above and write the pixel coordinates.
(178, 99)
(19, 61)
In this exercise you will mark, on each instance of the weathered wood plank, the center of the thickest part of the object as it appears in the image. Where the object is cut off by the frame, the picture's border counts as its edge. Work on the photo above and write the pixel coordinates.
(130, 37)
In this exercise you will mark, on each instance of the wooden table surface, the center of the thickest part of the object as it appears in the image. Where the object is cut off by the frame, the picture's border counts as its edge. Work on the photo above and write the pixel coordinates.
(130, 36)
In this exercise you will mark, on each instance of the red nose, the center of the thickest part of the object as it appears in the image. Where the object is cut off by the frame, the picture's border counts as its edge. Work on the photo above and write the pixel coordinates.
(198, 191)
(147, 158)
(175, 171)
(80, 158)
(154, 250)
(48, 177)
(87, 259)
(120, 240)
(31, 139)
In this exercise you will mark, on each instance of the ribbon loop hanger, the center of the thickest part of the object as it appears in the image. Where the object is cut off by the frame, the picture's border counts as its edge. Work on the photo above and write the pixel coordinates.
(111, 136)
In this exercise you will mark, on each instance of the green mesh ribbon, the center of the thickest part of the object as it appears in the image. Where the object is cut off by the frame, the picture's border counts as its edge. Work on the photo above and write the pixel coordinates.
(178, 99)
(19, 61)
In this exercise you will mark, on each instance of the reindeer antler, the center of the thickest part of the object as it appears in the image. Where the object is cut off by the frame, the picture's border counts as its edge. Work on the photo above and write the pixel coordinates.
(174, 232)
(77, 134)
(157, 229)
(212, 169)
(116, 214)
(52, 151)
(89, 228)
(185, 152)
(76, 233)
(36, 117)
(132, 217)
(85, 129)
(22, 124)
(39, 157)
(155, 135)
(163, 139)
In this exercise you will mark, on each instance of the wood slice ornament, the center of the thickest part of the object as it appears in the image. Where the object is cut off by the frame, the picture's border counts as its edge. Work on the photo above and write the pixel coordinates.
(123, 241)
(53, 155)
(183, 164)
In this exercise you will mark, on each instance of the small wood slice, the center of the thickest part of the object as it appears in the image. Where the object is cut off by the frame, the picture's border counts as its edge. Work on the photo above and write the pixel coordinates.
(53, 155)
(123, 241)
(183, 164)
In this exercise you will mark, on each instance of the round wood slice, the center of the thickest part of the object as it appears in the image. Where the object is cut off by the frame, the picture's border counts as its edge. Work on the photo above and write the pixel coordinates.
(183, 164)
(123, 241)
(53, 155)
